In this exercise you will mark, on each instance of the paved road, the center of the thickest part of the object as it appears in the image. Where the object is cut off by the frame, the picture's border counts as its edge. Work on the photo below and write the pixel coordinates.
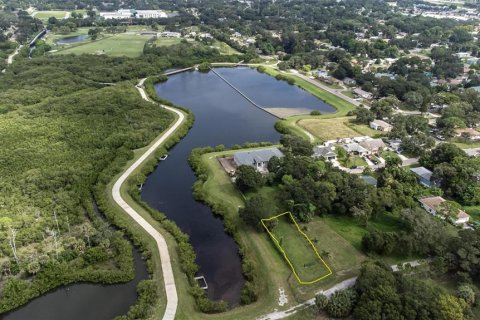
(168, 278)
(337, 92)
(276, 315)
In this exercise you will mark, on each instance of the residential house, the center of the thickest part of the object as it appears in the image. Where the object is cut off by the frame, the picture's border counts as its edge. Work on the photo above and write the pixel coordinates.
(424, 175)
(373, 145)
(395, 144)
(432, 205)
(472, 60)
(362, 93)
(256, 158)
(349, 81)
(381, 125)
(355, 148)
(470, 133)
(322, 73)
(327, 153)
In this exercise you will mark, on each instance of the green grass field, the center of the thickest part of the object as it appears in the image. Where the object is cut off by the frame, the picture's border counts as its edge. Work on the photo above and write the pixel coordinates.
(224, 48)
(165, 42)
(297, 248)
(335, 128)
(44, 15)
(124, 44)
(328, 129)
(353, 161)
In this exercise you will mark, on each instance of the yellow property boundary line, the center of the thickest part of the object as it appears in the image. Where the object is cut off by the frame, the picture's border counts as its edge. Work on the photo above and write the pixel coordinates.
(285, 254)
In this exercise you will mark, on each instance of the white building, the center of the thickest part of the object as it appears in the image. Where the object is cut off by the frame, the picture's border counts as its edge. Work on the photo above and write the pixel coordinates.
(381, 125)
(132, 13)
(432, 204)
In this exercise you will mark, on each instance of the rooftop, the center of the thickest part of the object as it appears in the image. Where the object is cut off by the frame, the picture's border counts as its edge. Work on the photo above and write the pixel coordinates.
(432, 202)
(373, 144)
(382, 123)
(256, 156)
(422, 172)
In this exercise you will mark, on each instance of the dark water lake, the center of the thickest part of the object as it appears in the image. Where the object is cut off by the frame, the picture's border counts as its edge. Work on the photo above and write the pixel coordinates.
(72, 39)
(222, 116)
(84, 301)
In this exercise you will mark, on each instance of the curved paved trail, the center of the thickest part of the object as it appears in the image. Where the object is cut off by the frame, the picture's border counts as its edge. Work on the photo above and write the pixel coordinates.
(168, 278)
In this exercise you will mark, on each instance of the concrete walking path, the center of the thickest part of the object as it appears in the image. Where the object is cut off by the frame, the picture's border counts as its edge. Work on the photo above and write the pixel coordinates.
(167, 272)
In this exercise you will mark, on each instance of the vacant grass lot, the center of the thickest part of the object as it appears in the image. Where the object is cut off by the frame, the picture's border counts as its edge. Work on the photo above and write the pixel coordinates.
(123, 44)
(224, 48)
(335, 128)
(44, 15)
(299, 252)
(165, 42)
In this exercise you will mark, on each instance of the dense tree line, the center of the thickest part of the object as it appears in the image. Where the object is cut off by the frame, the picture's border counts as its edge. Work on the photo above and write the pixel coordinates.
(61, 129)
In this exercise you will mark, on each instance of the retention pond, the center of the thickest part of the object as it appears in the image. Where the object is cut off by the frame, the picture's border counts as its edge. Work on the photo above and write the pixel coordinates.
(222, 116)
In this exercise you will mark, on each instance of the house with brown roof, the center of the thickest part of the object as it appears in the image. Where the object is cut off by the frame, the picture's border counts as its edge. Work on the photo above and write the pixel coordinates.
(432, 205)
(381, 125)
(373, 145)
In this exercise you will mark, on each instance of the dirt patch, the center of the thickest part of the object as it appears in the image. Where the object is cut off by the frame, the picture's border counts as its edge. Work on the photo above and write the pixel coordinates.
(288, 112)
(228, 164)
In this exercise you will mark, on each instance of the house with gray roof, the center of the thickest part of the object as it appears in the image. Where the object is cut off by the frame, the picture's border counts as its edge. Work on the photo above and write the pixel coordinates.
(424, 176)
(257, 159)
(324, 152)
(355, 148)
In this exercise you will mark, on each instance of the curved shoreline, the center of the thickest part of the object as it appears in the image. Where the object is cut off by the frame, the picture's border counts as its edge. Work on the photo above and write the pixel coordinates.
(167, 272)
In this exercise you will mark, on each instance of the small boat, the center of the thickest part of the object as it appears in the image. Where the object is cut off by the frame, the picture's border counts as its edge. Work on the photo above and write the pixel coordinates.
(164, 157)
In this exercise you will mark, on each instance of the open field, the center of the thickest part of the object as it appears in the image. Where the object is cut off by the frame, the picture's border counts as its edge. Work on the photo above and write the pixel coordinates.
(124, 44)
(328, 129)
(165, 42)
(224, 48)
(335, 128)
(44, 15)
(300, 253)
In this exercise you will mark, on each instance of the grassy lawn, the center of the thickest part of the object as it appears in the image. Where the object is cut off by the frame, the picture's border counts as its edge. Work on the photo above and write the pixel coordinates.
(328, 129)
(365, 130)
(44, 15)
(298, 249)
(348, 228)
(348, 93)
(224, 48)
(465, 144)
(353, 161)
(130, 45)
(165, 42)
(338, 253)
